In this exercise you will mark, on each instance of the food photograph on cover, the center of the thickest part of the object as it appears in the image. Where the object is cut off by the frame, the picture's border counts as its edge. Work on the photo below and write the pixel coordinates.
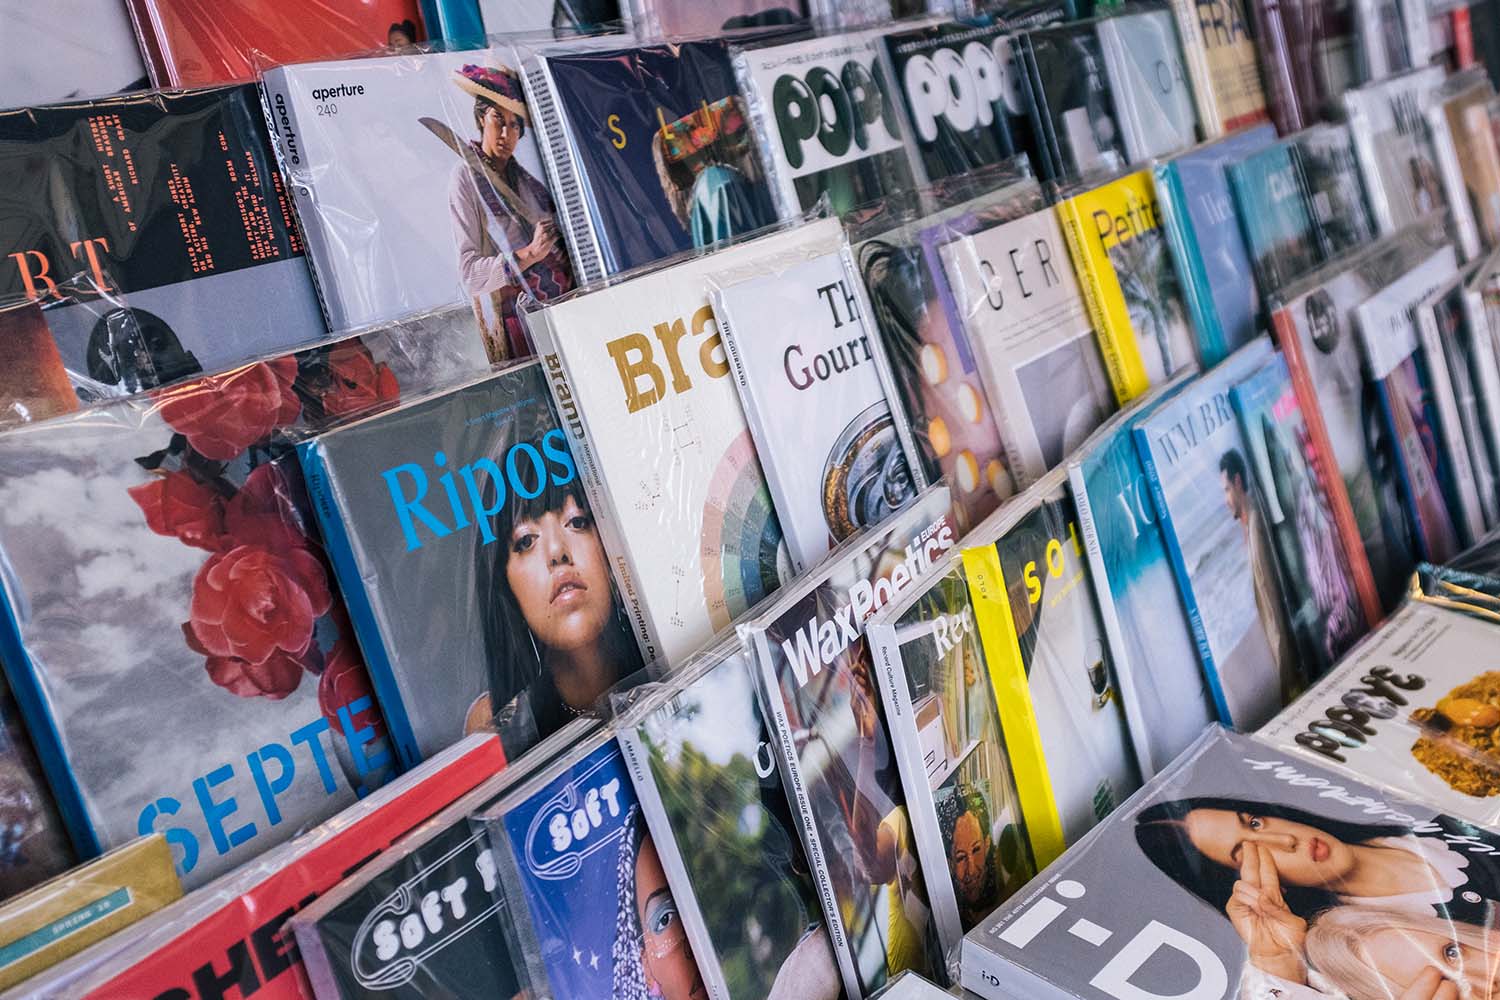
(750, 500)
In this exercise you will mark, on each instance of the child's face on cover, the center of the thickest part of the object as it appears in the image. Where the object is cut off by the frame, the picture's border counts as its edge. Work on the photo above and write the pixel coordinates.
(557, 570)
(665, 952)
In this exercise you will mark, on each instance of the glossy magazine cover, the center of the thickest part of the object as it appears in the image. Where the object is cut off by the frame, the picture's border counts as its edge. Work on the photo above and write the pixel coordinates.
(1394, 146)
(1331, 183)
(1472, 339)
(1071, 102)
(656, 139)
(1020, 305)
(1322, 602)
(645, 390)
(176, 527)
(828, 122)
(154, 232)
(1275, 216)
(512, 17)
(70, 49)
(418, 184)
(1161, 890)
(691, 18)
(798, 338)
(705, 770)
(591, 913)
(190, 43)
(504, 581)
(1050, 668)
(1387, 330)
(1213, 263)
(1478, 156)
(957, 88)
(1206, 496)
(1166, 697)
(816, 680)
(36, 843)
(932, 373)
(1220, 51)
(955, 770)
(1153, 99)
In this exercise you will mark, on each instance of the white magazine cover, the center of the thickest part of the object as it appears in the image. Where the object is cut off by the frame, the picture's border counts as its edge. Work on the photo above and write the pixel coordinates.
(517, 16)
(1024, 313)
(1413, 707)
(644, 388)
(1393, 145)
(408, 198)
(1153, 99)
(1455, 188)
(800, 344)
(826, 122)
(66, 49)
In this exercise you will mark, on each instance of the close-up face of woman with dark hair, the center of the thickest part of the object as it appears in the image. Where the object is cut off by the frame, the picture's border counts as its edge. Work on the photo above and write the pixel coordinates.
(1304, 855)
(557, 570)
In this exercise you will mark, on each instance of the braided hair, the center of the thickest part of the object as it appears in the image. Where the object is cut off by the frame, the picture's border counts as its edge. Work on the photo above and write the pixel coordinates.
(625, 953)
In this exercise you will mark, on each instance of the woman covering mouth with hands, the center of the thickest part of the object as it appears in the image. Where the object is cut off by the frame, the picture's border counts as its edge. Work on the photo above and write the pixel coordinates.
(1272, 869)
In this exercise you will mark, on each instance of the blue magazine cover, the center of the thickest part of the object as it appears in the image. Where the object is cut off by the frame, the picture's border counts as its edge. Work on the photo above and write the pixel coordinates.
(1167, 701)
(591, 912)
(662, 149)
(1274, 216)
(1217, 273)
(1193, 456)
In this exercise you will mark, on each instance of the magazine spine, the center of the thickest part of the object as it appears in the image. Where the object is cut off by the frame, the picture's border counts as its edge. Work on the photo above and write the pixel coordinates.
(684, 894)
(1368, 158)
(1486, 370)
(1180, 570)
(767, 144)
(1418, 31)
(1007, 669)
(520, 933)
(1116, 337)
(1116, 71)
(276, 85)
(563, 172)
(315, 959)
(557, 371)
(323, 490)
(1042, 125)
(1454, 188)
(1109, 615)
(921, 809)
(1276, 67)
(1195, 54)
(1450, 426)
(768, 690)
(1177, 221)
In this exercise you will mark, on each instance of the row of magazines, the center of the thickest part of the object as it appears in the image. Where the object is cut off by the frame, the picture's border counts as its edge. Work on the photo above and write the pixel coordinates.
(874, 517)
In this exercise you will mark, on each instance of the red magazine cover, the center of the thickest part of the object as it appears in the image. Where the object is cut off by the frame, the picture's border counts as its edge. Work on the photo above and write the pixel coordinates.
(192, 43)
(225, 940)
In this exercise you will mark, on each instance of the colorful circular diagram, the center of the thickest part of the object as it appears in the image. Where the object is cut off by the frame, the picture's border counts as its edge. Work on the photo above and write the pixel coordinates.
(743, 555)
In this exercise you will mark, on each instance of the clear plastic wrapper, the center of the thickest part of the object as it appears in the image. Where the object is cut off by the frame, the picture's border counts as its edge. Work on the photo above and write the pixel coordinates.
(949, 747)
(826, 121)
(1160, 887)
(1403, 387)
(692, 18)
(1020, 306)
(1195, 460)
(1382, 42)
(512, 17)
(1071, 103)
(910, 986)
(1163, 690)
(1335, 195)
(1148, 79)
(1322, 601)
(1468, 159)
(931, 371)
(1208, 246)
(162, 562)
(193, 43)
(65, 915)
(815, 678)
(228, 935)
(1474, 337)
(35, 846)
(1054, 684)
(1394, 146)
(423, 917)
(705, 771)
(798, 338)
(648, 147)
(644, 389)
(591, 914)
(502, 578)
(419, 184)
(1275, 216)
(70, 49)
(170, 201)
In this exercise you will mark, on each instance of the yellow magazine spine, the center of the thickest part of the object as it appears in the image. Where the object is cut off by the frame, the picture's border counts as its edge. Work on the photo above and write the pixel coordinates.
(1002, 654)
(1106, 305)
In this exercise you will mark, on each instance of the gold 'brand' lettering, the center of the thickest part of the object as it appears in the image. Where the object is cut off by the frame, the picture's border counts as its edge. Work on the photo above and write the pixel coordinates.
(635, 358)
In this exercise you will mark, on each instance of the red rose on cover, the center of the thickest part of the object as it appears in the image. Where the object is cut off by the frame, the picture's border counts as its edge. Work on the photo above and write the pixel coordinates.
(178, 506)
(345, 681)
(263, 512)
(251, 603)
(358, 383)
(276, 678)
(222, 416)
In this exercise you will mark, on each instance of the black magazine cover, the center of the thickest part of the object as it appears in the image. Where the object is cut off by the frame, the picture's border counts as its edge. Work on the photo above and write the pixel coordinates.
(1071, 104)
(155, 233)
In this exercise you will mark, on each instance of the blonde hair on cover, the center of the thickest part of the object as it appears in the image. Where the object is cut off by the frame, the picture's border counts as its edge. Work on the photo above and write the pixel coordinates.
(1339, 946)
